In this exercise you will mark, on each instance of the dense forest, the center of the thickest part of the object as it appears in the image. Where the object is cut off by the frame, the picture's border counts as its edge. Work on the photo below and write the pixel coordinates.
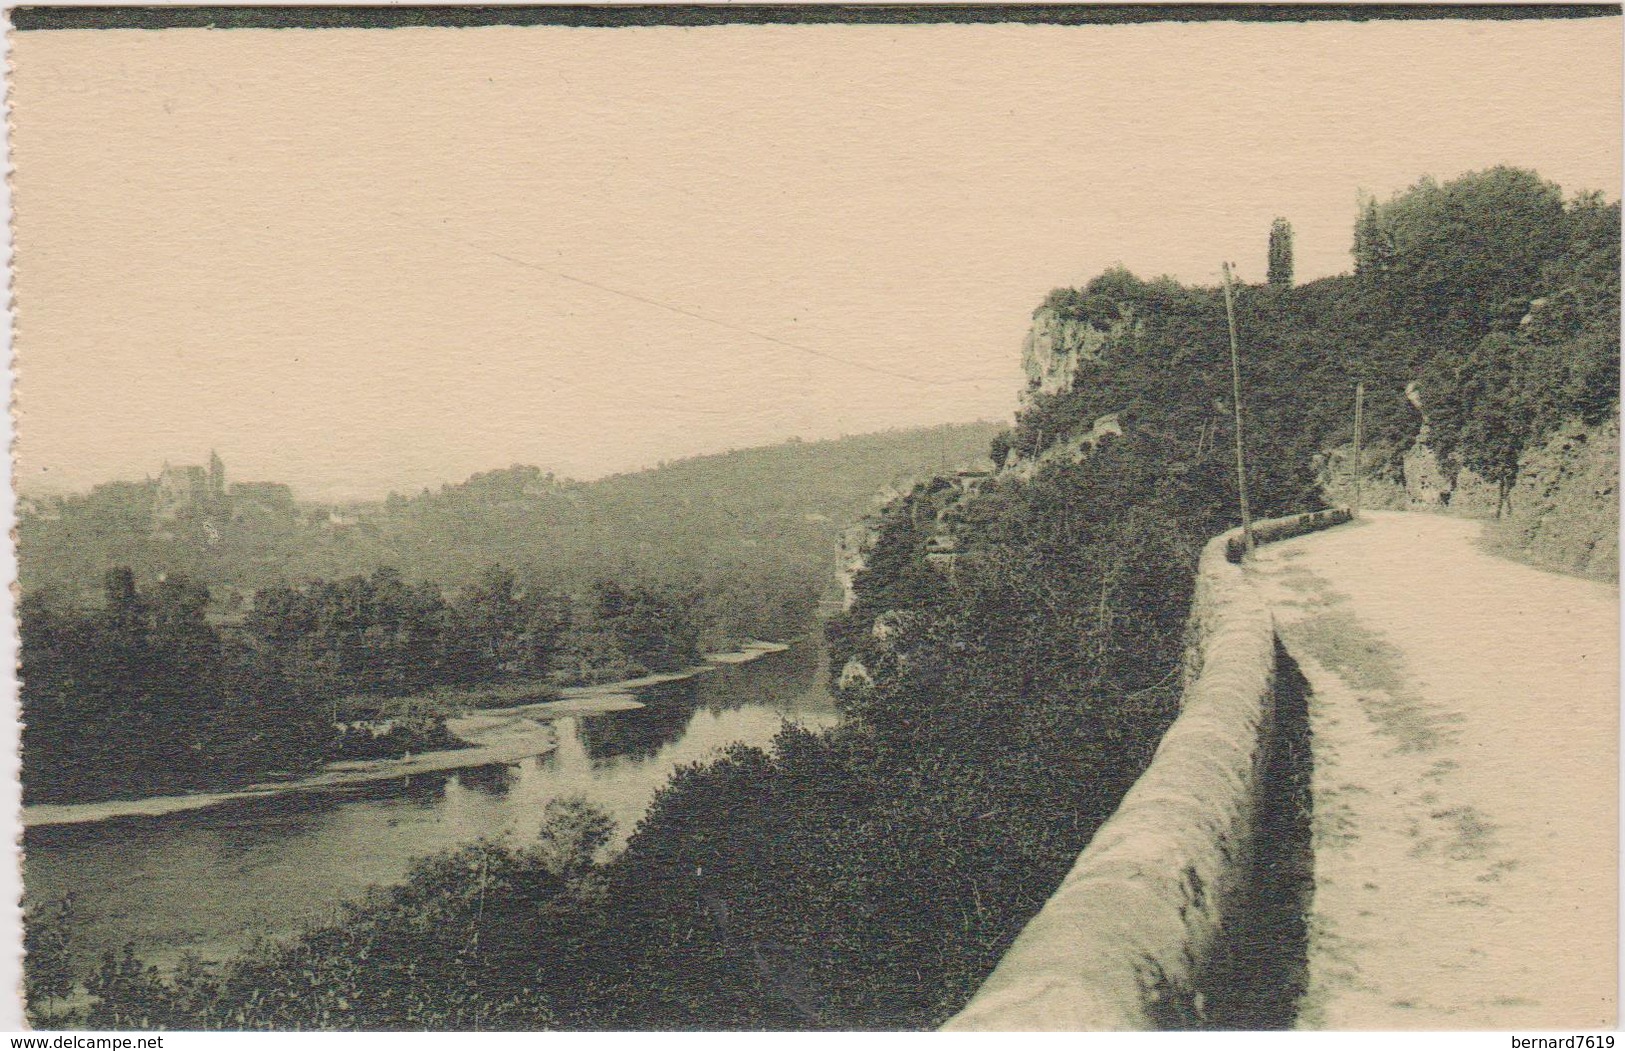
(145, 695)
(254, 636)
(1489, 299)
(1009, 665)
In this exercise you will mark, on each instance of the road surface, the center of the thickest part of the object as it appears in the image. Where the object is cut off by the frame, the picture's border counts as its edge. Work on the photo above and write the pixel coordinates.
(1465, 721)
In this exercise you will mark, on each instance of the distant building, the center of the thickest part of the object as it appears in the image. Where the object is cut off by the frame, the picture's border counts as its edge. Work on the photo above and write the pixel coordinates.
(182, 491)
(200, 494)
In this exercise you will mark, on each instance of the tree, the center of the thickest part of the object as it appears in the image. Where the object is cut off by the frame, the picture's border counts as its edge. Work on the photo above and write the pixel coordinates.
(49, 977)
(1372, 249)
(124, 609)
(1280, 271)
(1456, 258)
(493, 619)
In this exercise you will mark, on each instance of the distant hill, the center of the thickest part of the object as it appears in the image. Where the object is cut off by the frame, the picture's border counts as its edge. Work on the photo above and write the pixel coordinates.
(746, 524)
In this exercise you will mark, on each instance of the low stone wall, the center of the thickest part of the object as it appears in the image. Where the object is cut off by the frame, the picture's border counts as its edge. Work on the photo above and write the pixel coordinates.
(1124, 941)
(1271, 530)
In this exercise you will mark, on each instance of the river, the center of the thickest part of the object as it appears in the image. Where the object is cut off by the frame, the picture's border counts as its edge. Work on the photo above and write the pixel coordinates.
(210, 880)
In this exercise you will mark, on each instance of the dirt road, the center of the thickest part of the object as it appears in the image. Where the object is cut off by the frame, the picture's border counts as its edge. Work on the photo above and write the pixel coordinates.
(1465, 715)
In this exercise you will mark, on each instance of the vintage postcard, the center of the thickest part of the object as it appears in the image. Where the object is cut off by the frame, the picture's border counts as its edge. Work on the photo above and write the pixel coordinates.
(773, 518)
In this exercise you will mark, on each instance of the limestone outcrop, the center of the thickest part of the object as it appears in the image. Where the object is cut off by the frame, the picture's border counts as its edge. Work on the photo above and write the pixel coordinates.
(1058, 343)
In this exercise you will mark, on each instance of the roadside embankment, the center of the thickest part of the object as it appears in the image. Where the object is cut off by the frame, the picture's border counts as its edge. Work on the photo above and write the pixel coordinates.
(1130, 938)
(1561, 513)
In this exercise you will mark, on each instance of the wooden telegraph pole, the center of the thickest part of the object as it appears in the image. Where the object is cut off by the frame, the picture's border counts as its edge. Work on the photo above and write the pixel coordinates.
(1235, 401)
(1359, 425)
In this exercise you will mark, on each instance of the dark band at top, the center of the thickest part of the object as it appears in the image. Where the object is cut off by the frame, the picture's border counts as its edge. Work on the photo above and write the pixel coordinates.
(609, 16)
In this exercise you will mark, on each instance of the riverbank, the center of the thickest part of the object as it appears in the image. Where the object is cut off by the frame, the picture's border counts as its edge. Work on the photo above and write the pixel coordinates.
(495, 735)
(210, 882)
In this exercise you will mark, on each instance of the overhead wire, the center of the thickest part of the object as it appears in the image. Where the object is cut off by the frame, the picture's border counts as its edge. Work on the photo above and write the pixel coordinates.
(562, 275)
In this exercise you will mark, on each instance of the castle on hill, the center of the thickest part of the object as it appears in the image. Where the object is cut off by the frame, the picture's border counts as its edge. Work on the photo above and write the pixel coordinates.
(191, 492)
(188, 489)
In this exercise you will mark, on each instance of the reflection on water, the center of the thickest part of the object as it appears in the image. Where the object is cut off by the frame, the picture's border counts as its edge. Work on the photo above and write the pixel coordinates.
(639, 733)
(493, 780)
(778, 688)
(209, 881)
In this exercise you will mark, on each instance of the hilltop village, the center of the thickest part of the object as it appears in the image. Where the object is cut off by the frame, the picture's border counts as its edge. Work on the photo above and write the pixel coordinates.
(185, 497)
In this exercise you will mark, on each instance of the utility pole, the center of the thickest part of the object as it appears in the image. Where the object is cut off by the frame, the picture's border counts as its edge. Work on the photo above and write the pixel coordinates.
(1359, 423)
(1235, 400)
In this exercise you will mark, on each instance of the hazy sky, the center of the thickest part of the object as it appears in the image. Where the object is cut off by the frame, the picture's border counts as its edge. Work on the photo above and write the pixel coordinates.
(363, 260)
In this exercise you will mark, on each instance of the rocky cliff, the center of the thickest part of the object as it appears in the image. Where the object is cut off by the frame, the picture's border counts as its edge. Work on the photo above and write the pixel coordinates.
(1564, 509)
(1058, 343)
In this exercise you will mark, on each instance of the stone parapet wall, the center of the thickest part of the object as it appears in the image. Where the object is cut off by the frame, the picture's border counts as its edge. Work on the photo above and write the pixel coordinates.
(1123, 942)
(1273, 529)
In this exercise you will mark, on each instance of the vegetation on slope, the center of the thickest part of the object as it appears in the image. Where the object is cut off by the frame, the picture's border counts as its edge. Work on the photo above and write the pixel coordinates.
(1489, 298)
(1000, 699)
(241, 640)
(754, 530)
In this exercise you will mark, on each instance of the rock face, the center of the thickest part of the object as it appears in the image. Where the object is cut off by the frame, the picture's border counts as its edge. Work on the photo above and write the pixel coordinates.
(1565, 507)
(1057, 344)
(1382, 484)
(853, 558)
(1564, 510)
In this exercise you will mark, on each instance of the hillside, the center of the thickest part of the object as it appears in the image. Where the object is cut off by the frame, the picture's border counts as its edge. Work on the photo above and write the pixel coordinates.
(1012, 652)
(761, 522)
(200, 633)
(1482, 319)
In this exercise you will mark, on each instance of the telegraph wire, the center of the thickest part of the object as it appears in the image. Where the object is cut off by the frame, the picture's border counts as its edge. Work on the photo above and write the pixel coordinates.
(718, 322)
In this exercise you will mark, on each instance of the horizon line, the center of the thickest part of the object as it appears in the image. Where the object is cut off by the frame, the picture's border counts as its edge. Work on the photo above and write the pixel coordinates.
(34, 487)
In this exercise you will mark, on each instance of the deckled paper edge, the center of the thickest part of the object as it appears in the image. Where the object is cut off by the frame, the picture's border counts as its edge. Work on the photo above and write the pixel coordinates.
(11, 876)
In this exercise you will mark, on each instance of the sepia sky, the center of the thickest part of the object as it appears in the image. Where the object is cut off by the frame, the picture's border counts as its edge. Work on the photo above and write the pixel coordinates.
(361, 260)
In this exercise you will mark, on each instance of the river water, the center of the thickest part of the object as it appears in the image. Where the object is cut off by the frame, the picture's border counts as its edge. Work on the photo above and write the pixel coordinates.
(210, 880)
